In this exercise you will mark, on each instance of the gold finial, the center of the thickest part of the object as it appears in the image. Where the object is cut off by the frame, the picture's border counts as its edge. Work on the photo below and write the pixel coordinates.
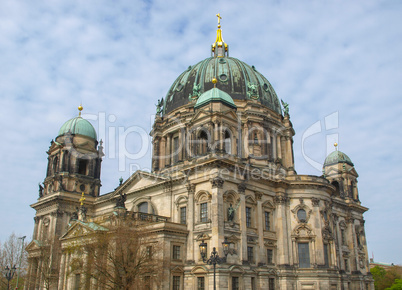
(80, 109)
(214, 81)
(82, 199)
(217, 45)
(336, 146)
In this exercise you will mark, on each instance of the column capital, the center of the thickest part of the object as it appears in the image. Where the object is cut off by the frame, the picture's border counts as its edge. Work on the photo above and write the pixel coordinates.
(217, 182)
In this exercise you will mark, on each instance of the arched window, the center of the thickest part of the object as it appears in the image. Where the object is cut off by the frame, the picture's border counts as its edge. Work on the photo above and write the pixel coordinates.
(337, 189)
(55, 164)
(145, 207)
(203, 143)
(227, 143)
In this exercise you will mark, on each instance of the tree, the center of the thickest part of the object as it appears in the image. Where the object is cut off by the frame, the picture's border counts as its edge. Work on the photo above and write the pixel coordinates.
(396, 286)
(122, 257)
(384, 279)
(10, 253)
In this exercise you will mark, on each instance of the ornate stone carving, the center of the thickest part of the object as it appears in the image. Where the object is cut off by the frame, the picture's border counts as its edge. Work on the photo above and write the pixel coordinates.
(258, 195)
(190, 188)
(241, 188)
(281, 199)
(217, 182)
(315, 201)
(36, 219)
(120, 201)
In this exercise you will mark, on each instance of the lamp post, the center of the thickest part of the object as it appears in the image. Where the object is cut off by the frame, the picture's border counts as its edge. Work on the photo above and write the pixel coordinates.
(9, 273)
(19, 267)
(214, 259)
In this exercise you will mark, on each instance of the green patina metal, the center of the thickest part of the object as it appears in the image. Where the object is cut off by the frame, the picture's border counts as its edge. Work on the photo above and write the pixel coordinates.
(234, 78)
(214, 95)
(337, 157)
(78, 125)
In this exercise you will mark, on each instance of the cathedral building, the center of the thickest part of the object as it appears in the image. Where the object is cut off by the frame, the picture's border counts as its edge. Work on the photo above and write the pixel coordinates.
(222, 177)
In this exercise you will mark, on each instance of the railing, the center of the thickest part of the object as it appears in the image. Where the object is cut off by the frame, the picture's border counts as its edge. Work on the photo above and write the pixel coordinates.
(146, 217)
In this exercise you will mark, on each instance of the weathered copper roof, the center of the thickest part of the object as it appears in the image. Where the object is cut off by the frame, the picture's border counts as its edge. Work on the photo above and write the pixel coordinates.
(337, 157)
(235, 77)
(214, 95)
(78, 125)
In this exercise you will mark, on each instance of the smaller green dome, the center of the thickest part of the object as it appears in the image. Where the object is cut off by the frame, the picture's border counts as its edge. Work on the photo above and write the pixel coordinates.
(212, 95)
(78, 125)
(337, 157)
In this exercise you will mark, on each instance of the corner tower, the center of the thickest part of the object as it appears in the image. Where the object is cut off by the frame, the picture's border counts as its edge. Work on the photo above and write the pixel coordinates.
(74, 166)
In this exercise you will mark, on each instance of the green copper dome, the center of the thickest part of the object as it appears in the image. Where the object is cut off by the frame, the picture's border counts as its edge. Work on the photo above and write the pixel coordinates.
(236, 78)
(214, 95)
(337, 157)
(80, 126)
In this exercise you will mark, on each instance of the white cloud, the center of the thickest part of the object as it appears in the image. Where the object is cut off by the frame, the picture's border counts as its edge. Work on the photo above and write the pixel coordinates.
(120, 58)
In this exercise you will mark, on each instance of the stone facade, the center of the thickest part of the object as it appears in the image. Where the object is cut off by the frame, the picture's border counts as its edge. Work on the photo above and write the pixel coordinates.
(218, 172)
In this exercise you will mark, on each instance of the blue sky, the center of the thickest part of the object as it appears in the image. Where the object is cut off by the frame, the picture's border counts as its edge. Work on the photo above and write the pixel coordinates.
(119, 57)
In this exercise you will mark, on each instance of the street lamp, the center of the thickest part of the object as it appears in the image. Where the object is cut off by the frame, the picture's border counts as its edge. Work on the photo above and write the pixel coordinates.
(214, 259)
(19, 268)
(9, 273)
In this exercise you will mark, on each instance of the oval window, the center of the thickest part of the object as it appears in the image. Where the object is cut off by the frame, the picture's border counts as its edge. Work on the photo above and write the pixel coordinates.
(223, 77)
(302, 215)
(265, 87)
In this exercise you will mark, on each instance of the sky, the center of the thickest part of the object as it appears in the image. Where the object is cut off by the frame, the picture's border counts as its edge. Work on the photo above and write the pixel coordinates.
(337, 63)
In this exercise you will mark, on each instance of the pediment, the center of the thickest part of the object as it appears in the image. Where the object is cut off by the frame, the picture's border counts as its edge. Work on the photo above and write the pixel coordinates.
(79, 229)
(139, 180)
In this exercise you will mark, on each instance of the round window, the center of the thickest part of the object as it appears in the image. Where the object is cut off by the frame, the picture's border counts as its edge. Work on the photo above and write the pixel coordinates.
(82, 187)
(265, 87)
(302, 215)
(223, 77)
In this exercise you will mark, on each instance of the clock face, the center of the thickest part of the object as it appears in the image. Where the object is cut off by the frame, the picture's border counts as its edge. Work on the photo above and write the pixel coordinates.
(301, 215)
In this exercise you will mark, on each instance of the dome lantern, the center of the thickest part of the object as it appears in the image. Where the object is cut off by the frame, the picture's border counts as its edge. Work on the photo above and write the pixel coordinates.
(219, 47)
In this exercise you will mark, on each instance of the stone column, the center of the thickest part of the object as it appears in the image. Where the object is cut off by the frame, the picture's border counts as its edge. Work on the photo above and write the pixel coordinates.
(163, 152)
(260, 229)
(181, 145)
(274, 147)
(62, 270)
(282, 229)
(217, 218)
(242, 220)
(245, 141)
(278, 143)
(190, 223)
(168, 150)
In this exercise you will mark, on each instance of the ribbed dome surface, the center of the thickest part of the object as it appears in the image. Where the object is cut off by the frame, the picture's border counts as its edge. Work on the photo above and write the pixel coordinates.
(235, 77)
(337, 157)
(78, 125)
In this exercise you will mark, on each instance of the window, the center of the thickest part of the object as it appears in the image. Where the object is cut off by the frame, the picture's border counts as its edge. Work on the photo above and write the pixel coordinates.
(228, 143)
(77, 281)
(203, 143)
(269, 256)
(252, 283)
(267, 221)
(248, 217)
(200, 283)
(183, 215)
(304, 255)
(271, 284)
(149, 252)
(176, 283)
(250, 254)
(346, 265)
(176, 252)
(204, 212)
(301, 215)
(343, 236)
(175, 149)
(235, 283)
(147, 283)
(143, 207)
(326, 256)
(82, 167)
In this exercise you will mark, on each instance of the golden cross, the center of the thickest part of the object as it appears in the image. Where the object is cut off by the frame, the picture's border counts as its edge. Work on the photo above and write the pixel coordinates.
(219, 18)
(82, 199)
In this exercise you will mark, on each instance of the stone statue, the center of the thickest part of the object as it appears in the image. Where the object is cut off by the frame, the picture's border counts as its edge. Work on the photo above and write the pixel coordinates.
(74, 215)
(232, 211)
(82, 213)
(159, 107)
(285, 108)
(120, 181)
(40, 190)
(121, 200)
